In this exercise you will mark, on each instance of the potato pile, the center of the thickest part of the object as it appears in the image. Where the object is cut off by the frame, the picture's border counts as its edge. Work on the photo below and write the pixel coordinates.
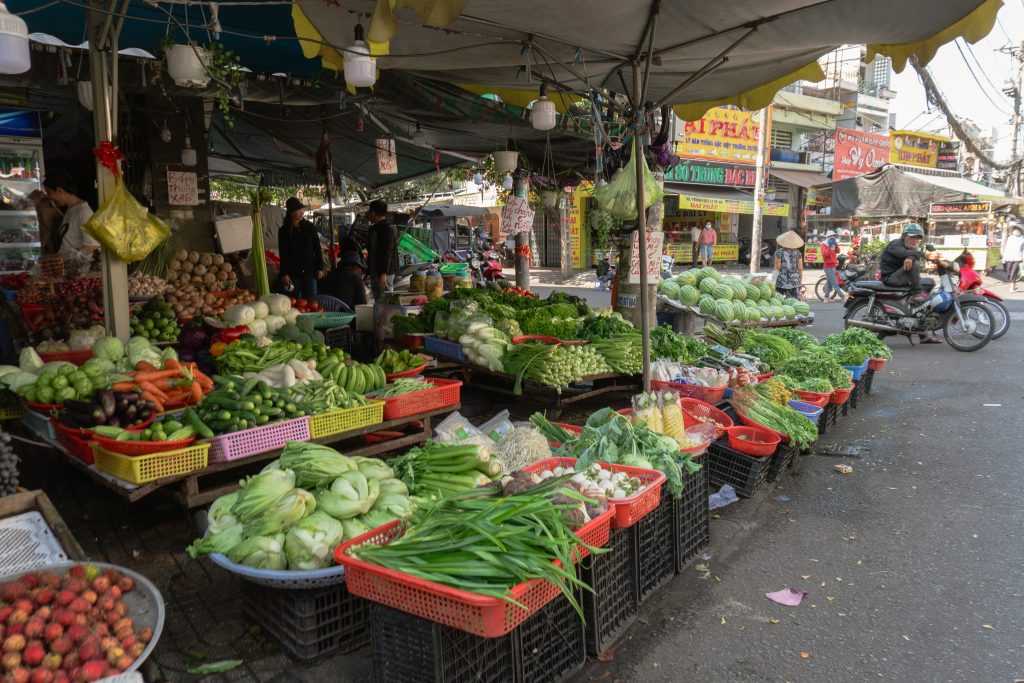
(203, 271)
(190, 301)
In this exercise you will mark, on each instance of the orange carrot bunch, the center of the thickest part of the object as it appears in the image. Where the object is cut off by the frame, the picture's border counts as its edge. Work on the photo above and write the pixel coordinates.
(177, 384)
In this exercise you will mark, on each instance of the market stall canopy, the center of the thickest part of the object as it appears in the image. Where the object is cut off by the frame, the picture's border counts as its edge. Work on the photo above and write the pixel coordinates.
(800, 178)
(750, 49)
(453, 211)
(890, 192)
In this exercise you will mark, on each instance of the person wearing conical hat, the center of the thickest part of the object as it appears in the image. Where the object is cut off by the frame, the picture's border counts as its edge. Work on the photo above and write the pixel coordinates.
(789, 265)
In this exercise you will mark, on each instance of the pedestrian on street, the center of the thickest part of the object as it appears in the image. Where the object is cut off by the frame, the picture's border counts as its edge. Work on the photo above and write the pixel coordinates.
(830, 262)
(383, 248)
(708, 239)
(302, 258)
(789, 265)
(1012, 255)
(695, 242)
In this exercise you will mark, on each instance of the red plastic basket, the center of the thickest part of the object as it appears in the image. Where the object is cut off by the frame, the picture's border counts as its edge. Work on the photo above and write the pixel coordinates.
(43, 408)
(750, 423)
(876, 364)
(567, 427)
(408, 373)
(539, 338)
(75, 441)
(477, 614)
(77, 357)
(445, 392)
(696, 411)
(88, 434)
(765, 376)
(628, 511)
(706, 394)
(840, 396)
(140, 447)
(814, 398)
(249, 442)
(760, 450)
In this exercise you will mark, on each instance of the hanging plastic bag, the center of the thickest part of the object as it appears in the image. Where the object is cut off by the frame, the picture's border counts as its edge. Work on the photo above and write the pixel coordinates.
(121, 224)
(619, 196)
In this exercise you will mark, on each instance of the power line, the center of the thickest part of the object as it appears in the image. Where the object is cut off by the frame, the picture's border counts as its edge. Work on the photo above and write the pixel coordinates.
(975, 77)
(982, 69)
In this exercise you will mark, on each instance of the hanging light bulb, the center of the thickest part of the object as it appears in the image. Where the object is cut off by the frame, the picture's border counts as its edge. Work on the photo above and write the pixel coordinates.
(15, 57)
(419, 138)
(478, 179)
(165, 133)
(188, 155)
(542, 116)
(506, 182)
(360, 67)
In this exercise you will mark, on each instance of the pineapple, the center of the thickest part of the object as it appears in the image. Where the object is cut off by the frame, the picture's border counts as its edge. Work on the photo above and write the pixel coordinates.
(645, 408)
(672, 416)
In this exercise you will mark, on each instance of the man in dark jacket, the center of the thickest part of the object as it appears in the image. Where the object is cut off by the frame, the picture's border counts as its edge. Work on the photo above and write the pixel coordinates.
(383, 248)
(346, 283)
(302, 259)
(900, 266)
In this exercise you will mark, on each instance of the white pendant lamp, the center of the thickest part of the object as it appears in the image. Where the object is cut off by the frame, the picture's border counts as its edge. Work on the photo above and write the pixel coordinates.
(360, 67)
(507, 182)
(506, 161)
(15, 55)
(478, 178)
(419, 138)
(188, 155)
(542, 116)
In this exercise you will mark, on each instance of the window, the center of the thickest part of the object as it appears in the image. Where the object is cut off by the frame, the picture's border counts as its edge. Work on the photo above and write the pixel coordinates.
(782, 139)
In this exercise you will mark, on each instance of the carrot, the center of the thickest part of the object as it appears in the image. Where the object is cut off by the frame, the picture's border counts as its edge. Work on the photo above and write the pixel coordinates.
(124, 386)
(177, 396)
(155, 375)
(157, 402)
(197, 375)
(171, 364)
(196, 392)
(145, 366)
(149, 387)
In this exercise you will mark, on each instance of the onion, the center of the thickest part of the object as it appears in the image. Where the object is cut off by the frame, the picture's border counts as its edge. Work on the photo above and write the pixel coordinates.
(193, 256)
(182, 255)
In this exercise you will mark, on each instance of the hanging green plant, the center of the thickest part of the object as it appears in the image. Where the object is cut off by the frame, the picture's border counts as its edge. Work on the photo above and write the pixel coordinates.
(602, 225)
(226, 71)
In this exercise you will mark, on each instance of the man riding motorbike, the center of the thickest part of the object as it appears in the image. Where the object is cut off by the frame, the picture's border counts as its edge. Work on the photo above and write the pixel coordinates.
(900, 266)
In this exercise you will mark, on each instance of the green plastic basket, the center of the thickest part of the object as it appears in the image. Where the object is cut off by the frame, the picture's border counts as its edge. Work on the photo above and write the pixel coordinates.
(455, 269)
(325, 320)
(413, 247)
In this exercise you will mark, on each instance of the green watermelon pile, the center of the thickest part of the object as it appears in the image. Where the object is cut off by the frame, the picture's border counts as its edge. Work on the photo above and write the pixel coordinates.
(729, 298)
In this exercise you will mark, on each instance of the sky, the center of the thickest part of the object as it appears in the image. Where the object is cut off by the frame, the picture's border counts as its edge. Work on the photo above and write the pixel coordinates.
(965, 97)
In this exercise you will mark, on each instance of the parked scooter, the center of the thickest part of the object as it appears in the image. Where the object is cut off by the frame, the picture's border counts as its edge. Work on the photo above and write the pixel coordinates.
(744, 253)
(970, 281)
(965, 319)
(848, 272)
(489, 259)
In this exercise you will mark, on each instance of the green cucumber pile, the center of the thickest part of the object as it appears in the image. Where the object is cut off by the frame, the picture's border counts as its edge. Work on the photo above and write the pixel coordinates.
(236, 404)
(167, 430)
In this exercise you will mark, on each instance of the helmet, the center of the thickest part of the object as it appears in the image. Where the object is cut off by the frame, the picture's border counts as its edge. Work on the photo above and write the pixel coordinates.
(913, 229)
(830, 233)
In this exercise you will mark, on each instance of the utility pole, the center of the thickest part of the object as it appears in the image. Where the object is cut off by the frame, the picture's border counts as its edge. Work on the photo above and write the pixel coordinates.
(755, 235)
(1013, 175)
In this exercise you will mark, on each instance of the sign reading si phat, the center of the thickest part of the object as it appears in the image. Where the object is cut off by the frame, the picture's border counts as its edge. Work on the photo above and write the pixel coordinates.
(915, 149)
(944, 208)
(858, 153)
(722, 134)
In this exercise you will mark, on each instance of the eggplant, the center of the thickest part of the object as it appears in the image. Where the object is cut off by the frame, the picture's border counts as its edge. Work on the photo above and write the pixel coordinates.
(99, 417)
(145, 414)
(108, 402)
(130, 414)
(81, 406)
(74, 420)
(114, 421)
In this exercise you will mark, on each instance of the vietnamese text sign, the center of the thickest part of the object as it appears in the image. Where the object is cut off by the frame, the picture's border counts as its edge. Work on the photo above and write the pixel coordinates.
(387, 158)
(654, 242)
(711, 173)
(914, 149)
(722, 134)
(182, 188)
(858, 153)
(516, 216)
(688, 202)
(959, 207)
(949, 155)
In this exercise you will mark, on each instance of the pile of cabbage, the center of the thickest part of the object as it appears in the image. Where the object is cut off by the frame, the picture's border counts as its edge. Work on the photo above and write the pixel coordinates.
(271, 317)
(295, 512)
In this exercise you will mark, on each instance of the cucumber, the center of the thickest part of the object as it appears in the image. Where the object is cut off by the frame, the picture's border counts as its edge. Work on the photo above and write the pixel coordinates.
(107, 431)
(181, 434)
(172, 425)
(193, 421)
(249, 385)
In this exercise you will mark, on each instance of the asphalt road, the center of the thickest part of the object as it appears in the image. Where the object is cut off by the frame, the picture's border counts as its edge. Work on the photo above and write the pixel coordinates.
(913, 564)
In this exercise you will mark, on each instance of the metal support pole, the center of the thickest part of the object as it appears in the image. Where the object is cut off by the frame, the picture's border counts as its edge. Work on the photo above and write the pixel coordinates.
(755, 234)
(641, 226)
(522, 240)
(104, 92)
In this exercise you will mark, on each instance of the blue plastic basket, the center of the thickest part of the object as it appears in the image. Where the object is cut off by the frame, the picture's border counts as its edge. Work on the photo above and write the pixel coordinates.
(812, 412)
(443, 347)
(858, 370)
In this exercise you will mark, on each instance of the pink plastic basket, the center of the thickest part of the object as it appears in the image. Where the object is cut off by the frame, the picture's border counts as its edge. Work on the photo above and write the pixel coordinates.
(248, 442)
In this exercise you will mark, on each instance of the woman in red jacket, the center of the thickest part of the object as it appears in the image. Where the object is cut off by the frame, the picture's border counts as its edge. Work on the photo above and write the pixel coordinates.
(830, 261)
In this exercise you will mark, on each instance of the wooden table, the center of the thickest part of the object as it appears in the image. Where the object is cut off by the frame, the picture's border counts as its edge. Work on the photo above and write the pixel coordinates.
(200, 487)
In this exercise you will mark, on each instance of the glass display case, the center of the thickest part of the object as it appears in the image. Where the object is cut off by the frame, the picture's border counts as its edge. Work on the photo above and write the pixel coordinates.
(21, 173)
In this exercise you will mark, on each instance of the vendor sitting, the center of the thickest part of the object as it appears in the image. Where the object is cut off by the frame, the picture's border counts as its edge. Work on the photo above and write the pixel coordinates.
(346, 281)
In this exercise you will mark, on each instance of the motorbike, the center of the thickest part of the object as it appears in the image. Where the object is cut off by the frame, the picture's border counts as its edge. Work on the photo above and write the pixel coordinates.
(488, 259)
(745, 249)
(848, 272)
(964, 318)
(970, 281)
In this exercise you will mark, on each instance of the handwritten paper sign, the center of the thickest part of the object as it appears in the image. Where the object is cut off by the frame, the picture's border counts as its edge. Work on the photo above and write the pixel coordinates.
(387, 158)
(654, 243)
(516, 216)
(182, 188)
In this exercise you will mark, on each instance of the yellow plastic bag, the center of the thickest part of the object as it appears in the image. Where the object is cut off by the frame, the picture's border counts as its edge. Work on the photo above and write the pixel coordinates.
(619, 196)
(125, 227)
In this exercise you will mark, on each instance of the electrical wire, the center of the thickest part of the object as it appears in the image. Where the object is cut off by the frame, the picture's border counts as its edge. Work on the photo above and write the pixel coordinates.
(975, 77)
(982, 69)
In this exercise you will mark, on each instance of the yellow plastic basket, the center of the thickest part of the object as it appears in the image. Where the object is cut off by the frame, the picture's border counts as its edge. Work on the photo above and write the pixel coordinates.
(10, 412)
(139, 469)
(347, 419)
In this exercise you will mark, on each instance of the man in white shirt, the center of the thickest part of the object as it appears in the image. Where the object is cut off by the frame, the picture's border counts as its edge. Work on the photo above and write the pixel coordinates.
(695, 240)
(61, 188)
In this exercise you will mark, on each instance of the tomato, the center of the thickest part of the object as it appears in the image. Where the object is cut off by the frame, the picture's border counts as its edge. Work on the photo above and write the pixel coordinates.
(217, 349)
(314, 307)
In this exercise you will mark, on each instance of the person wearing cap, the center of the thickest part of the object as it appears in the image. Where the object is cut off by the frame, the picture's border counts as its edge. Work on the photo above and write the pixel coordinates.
(789, 265)
(900, 266)
(1012, 254)
(302, 258)
(382, 249)
(346, 282)
(830, 262)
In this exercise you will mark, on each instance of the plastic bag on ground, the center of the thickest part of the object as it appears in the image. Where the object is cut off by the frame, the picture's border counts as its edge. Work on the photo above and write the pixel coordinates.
(724, 496)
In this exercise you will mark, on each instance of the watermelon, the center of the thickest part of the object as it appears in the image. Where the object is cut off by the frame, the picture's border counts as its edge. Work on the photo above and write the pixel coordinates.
(721, 291)
(739, 311)
(706, 305)
(778, 313)
(753, 293)
(788, 312)
(777, 299)
(723, 310)
(669, 288)
(766, 290)
(801, 308)
(710, 273)
(739, 290)
(687, 277)
(707, 285)
(753, 314)
(689, 295)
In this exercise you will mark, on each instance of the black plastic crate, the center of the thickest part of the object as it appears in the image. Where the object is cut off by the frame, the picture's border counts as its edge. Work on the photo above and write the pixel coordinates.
(550, 645)
(781, 461)
(614, 604)
(745, 473)
(656, 547)
(310, 623)
(692, 518)
(858, 393)
(408, 649)
(833, 413)
(339, 338)
(869, 379)
(823, 420)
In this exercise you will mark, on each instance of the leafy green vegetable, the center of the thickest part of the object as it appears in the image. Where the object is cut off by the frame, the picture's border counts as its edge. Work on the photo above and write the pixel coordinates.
(780, 418)
(798, 338)
(860, 337)
(772, 349)
(216, 667)
(549, 321)
(602, 326)
(816, 363)
(666, 343)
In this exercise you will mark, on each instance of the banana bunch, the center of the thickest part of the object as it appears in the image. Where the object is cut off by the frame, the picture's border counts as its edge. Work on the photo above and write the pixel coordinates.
(356, 377)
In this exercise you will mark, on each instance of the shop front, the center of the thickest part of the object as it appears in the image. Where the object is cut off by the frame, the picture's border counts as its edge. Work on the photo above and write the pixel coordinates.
(955, 227)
